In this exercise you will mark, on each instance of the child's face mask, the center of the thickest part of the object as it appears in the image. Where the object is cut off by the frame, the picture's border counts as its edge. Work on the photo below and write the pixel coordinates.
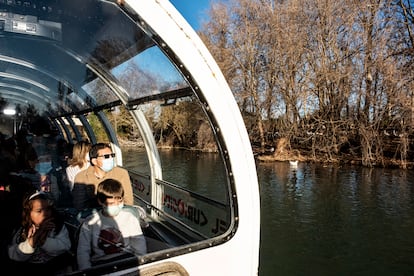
(113, 210)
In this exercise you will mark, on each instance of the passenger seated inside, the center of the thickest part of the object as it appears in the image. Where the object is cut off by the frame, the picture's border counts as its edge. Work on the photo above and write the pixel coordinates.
(102, 167)
(78, 162)
(110, 232)
(40, 172)
(40, 245)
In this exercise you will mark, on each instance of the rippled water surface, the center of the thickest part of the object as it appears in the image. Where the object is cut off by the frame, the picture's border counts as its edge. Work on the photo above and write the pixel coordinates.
(330, 220)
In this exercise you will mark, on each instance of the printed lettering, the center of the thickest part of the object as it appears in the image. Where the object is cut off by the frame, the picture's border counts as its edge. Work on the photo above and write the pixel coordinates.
(221, 226)
(179, 206)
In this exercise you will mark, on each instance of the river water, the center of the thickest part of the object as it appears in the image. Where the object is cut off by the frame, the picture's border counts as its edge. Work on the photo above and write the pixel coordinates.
(324, 220)
(329, 220)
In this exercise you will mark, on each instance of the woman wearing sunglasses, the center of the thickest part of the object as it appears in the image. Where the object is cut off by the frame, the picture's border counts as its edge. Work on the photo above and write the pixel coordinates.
(102, 167)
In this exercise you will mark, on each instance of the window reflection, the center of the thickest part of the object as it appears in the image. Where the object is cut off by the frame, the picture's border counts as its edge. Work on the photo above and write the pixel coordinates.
(148, 73)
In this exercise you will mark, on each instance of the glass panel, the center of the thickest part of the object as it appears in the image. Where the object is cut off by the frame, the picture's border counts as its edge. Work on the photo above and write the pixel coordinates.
(96, 125)
(59, 125)
(81, 129)
(148, 73)
(69, 127)
(100, 92)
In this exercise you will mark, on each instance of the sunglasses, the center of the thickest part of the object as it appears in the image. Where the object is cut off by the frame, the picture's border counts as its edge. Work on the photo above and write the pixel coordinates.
(106, 156)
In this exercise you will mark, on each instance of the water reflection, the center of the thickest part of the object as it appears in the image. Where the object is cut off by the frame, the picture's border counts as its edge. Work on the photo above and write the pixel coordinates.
(329, 220)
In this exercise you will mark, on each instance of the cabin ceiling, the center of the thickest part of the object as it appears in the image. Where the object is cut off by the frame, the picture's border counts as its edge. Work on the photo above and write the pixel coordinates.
(48, 47)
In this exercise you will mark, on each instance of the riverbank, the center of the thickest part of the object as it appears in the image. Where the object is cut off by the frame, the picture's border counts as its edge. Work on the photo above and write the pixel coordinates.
(349, 160)
(284, 151)
(283, 154)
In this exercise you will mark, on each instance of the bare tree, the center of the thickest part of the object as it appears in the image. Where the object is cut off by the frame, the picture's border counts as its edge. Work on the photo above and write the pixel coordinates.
(241, 35)
(333, 77)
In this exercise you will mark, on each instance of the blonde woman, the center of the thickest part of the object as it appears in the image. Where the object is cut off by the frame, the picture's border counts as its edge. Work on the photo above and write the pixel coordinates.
(78, 162)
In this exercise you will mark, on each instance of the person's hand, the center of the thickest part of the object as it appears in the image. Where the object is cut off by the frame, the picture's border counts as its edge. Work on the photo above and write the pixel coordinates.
(30, 235)
(41, 234)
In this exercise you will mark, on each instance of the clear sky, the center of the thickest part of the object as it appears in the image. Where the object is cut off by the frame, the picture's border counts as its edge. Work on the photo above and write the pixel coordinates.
(192, 10)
